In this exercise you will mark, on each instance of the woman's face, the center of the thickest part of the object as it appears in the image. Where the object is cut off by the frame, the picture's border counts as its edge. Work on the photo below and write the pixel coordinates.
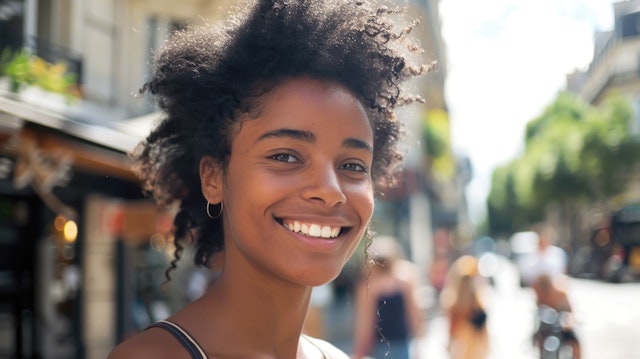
(297, 191)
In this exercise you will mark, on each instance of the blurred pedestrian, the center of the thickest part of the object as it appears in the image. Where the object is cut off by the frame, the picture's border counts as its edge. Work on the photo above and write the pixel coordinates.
(550, 293)
(547, 259)
(545, 271)
(466, 313)
(388, 317)
(278, 127)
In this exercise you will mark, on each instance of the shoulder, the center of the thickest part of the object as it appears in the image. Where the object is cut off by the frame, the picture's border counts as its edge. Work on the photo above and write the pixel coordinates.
(329, 350)
(152, 343)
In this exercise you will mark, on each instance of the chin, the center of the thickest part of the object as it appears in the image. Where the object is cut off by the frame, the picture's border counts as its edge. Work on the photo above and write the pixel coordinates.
(320, 277)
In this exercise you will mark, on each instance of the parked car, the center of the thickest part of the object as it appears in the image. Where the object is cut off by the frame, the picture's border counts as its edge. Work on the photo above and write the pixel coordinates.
(615, 246)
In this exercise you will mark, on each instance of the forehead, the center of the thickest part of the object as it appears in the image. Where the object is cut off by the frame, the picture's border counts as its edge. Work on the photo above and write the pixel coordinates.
(311, 90)
(308, 101)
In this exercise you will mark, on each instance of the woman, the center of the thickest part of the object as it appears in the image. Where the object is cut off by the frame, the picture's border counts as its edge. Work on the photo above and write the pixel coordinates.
(468, 334)
(388, 317)
(279, 126)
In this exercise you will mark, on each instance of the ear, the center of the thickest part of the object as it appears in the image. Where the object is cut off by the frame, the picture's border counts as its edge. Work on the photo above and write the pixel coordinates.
(211, 179)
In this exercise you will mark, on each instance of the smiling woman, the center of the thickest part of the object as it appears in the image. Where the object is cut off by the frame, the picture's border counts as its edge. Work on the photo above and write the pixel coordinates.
(279, 125)
(301, 147)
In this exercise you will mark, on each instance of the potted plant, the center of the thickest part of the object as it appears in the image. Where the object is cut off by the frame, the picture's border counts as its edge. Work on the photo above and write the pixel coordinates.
(26, 71)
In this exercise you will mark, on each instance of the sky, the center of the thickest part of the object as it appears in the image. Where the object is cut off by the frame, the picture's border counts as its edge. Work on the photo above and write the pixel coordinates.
(506, 61)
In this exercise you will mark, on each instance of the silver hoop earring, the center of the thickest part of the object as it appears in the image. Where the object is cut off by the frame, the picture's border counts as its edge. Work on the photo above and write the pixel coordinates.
(209, 212)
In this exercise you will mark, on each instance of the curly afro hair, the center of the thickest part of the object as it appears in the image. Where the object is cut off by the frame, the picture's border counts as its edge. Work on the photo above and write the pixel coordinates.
(206, 78)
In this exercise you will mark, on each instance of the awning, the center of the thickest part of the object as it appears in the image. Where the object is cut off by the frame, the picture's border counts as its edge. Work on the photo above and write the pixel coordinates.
(13, 114)
(97, 144)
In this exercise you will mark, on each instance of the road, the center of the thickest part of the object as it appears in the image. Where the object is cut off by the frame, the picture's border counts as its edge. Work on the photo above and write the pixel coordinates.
(608, 315)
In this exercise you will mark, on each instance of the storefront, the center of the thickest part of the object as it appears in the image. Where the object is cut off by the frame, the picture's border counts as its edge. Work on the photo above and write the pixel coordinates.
(78, 240)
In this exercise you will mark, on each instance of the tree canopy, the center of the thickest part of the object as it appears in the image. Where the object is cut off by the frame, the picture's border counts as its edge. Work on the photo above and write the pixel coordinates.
(574, 153)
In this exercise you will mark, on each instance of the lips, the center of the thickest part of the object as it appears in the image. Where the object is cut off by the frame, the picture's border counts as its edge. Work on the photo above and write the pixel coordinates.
(312, 229)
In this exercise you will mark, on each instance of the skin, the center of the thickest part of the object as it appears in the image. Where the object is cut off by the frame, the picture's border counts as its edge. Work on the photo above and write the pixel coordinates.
(306, 158)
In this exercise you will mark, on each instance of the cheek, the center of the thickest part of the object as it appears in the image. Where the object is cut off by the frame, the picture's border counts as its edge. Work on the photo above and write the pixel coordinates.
(363, 200)
(370, 204)
(238, 192)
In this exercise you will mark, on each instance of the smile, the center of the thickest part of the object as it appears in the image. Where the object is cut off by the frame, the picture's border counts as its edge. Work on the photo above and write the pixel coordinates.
(312, 229)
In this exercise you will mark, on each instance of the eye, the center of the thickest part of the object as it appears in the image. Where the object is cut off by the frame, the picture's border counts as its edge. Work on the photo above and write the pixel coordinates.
(285, 157)
(355, 167)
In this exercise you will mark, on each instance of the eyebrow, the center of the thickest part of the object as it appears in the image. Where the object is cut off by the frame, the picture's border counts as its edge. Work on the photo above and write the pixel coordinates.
(305, 136)
(358, 144)
(309, 137)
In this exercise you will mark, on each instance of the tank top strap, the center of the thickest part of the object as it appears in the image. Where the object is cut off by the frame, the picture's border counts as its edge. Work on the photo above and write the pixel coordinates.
(187, 341)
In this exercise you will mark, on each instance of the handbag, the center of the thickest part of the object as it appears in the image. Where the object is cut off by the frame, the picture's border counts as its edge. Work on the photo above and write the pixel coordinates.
(478, 318)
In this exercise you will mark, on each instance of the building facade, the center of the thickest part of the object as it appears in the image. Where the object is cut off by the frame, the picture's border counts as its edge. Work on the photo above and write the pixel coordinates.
(615, 67)
(615, 70)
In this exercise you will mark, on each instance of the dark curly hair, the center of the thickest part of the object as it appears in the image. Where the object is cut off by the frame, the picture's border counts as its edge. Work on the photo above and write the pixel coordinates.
(206, 77)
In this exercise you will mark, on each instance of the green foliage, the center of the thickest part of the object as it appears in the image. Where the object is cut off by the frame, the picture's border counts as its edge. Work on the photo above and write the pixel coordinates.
(23, 68)
(437, 142)
(574, 153)
(16, 66)
(566, 108)
(506, 204)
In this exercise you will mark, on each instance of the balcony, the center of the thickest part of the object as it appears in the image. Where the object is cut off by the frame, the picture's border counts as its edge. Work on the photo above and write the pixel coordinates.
(54, 53)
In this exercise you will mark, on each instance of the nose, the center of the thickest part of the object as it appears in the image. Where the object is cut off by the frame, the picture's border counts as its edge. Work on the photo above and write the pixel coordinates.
(324, 186)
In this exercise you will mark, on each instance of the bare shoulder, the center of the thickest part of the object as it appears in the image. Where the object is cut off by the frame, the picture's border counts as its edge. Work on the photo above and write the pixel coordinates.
(329, 350)
(151, 343)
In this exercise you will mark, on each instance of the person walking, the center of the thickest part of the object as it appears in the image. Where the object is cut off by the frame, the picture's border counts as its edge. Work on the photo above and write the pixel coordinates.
(465, 311)
(387, 315)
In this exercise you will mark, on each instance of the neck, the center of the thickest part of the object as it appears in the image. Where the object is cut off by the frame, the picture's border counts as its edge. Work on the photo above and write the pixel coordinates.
(253, 312)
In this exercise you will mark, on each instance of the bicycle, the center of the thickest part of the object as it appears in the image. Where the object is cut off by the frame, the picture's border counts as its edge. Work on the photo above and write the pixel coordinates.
(553, 336)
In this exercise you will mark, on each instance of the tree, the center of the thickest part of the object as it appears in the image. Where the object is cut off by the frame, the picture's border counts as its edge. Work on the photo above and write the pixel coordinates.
(576, 157)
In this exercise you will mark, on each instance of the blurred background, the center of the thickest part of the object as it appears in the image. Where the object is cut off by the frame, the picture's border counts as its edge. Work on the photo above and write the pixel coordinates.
(532, 115)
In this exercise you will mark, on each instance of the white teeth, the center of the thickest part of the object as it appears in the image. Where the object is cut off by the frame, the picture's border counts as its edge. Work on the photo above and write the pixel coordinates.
(313, 230)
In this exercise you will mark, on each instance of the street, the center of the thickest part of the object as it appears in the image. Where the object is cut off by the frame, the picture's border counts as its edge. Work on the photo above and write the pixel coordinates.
(607, 315)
